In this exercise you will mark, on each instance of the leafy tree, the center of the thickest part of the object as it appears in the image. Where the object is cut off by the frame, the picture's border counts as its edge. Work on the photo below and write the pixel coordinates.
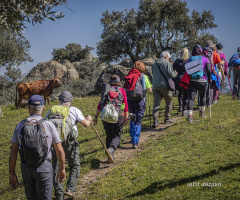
(72, 52)
(156, 26)
(14, 48)
(14, 13)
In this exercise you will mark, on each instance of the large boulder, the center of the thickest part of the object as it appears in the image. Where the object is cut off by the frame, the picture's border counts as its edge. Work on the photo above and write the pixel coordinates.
(51, 69)
(121, 71)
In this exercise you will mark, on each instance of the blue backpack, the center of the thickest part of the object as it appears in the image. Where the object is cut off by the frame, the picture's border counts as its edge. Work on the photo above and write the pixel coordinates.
(234, 61)
(197, 67)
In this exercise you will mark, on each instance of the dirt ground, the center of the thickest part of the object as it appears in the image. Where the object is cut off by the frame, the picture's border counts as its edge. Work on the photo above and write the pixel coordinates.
(122, 154)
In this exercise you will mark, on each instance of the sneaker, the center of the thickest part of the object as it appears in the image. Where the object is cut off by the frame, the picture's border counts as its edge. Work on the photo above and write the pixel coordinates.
(135, 145)
(70, 193)
(169, 121)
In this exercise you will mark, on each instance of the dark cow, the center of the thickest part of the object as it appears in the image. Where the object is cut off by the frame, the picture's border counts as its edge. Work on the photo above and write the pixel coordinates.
(41, 87)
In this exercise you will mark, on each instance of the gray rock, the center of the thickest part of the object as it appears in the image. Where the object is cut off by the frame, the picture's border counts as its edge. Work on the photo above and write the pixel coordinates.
(1, 113)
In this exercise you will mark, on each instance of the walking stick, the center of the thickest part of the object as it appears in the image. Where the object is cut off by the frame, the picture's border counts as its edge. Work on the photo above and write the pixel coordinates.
(149, 110)
(107, 152)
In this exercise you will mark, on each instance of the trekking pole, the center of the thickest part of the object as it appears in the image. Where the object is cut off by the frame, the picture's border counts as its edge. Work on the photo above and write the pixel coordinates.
(210, 114)
(149, 110)
(107, 152)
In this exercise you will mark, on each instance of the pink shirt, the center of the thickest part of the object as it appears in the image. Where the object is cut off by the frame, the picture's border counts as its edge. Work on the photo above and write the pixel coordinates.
(124, 100)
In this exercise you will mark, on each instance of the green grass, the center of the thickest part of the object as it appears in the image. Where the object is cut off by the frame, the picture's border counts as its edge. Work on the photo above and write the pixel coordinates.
(198, 153)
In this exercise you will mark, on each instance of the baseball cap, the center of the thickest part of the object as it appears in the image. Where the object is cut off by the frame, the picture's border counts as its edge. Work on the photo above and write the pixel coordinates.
(36, 100)
(210, 43)
(65, 96)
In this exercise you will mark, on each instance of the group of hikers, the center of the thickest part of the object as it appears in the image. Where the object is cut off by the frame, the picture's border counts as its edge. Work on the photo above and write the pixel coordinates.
(45, 143)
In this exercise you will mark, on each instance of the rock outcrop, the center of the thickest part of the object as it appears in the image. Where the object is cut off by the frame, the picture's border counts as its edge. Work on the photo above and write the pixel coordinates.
(51, 69)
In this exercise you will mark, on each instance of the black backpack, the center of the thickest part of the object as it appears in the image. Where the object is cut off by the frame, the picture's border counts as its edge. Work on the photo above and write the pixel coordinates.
(138, 93)
(33, 143)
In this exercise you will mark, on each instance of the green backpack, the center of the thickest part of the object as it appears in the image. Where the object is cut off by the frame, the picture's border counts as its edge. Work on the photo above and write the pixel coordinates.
(59, 115)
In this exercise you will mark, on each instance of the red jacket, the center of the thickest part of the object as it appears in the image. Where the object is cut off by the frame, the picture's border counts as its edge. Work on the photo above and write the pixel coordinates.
(131, 79)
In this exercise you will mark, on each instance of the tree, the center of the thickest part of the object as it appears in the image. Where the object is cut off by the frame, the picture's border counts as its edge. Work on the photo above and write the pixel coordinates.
(14, 48)
(72, 52)
(156, 26)
(14, 13)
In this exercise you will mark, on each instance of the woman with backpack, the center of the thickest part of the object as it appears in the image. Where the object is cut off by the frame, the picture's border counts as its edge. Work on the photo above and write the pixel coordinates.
(136, 84)
(179, 66)
(198, 83)
(116, 96)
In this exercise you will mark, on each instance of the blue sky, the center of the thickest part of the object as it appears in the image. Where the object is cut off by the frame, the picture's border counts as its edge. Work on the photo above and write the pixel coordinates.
(83, 26)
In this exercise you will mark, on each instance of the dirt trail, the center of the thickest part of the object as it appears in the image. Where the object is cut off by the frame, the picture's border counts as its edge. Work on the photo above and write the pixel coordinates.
(122, 154)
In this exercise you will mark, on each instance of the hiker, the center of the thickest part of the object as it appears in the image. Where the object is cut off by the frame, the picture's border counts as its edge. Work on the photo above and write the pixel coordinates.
(214, 59)
(136, 84)
(222, 56)
(161, 70)
(179, 66)
(65, 118)
(36, 157)
(235, 67)
(116, 99)
(198, 82)
(236, 74)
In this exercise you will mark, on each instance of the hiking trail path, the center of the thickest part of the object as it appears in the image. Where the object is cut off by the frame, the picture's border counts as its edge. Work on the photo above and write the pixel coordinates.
(123, 153)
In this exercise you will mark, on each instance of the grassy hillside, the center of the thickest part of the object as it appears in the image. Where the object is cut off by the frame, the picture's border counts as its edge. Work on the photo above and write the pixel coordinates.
(196, 161)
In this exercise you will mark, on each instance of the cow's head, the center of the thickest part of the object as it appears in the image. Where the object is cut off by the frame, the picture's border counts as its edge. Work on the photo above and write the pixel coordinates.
(57, 82)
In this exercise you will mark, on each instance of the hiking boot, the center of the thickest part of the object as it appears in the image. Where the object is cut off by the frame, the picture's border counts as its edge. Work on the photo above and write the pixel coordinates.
(135, 145)
(234, 97)
(189, 116)
(180, 109)
(169, 121)
(184, 113)
(201, 114)
(70, 193)
(214, 101)
(111, 150)
(155, 123)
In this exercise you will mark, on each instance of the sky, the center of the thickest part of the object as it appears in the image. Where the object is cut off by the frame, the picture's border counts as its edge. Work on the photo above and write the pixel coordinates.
(81, 25)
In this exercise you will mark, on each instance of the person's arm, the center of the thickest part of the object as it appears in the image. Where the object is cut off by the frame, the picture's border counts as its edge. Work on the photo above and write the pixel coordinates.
(96, 116)
(221, 68)
(170, 71)
(13, 180)
(61, 175)
(87, 121)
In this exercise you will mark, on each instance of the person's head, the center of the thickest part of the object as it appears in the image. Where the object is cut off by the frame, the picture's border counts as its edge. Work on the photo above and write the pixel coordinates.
(140, 66)
(35, 104)
(197, 50)
(238, 50)
(209, 43)
(219, 46)
(184, 54)
(65, 98)
(115, 80)
(165, 55)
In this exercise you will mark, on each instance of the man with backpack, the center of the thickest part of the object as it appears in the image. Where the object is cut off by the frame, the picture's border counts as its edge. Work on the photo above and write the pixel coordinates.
(65, 117)
(33, 138)
(235, 67)
(214, 59)
(162, 68)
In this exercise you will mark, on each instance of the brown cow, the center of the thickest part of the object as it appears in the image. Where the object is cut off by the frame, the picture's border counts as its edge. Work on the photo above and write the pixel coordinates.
(41, 87)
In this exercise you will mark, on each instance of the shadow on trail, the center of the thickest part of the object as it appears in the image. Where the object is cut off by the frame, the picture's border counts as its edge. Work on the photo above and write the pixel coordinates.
(157, 186)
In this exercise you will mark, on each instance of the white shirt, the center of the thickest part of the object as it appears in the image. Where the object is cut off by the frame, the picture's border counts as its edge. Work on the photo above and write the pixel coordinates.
(75, 115)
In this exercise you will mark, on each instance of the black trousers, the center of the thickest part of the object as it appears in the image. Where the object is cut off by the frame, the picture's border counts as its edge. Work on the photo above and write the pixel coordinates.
(114, 132)
(194, 86)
